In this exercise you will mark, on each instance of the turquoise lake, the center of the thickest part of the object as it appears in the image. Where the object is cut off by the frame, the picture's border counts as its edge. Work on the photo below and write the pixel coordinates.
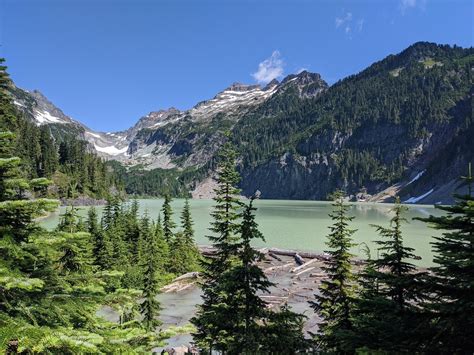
(302, 225)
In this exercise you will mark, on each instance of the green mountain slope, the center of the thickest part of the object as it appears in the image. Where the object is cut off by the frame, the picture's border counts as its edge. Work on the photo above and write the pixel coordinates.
(398, 117)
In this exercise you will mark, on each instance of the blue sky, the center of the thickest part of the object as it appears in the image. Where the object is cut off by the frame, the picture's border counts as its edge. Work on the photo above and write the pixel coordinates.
(109, 62)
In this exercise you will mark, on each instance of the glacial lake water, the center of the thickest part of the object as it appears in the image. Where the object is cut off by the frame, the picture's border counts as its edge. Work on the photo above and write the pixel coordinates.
(302, 225)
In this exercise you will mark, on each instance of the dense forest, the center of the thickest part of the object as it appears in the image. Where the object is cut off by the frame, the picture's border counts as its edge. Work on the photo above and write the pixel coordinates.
(158, 182)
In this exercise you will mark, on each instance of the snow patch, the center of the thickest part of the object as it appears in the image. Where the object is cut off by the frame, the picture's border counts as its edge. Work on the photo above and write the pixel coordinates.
(111, 150)
(419, 175)
(93, 134)
(18, 103)
(421, 197)
(46, 117)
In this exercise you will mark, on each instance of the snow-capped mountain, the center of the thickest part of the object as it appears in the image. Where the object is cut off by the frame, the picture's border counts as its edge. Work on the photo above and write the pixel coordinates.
(401, 127)
(40, 110)
(129, 146)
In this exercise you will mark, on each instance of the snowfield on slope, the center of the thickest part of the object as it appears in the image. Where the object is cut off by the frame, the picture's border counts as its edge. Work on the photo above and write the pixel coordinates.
(111, 150)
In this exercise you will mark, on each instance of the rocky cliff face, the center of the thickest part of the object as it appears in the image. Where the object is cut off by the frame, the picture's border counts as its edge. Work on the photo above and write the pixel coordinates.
(395, 128)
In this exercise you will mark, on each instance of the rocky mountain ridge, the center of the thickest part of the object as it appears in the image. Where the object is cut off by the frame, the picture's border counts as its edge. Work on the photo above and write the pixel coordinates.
(390, 129)
(129, 146)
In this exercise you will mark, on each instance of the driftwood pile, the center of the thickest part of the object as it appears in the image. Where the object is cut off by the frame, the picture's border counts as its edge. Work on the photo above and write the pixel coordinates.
(181, 283)
(296, 275)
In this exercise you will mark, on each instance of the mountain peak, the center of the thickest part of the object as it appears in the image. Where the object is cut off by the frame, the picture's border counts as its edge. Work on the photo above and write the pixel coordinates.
(308, 84)
(303, 77)
(271, 84)
(236, 86)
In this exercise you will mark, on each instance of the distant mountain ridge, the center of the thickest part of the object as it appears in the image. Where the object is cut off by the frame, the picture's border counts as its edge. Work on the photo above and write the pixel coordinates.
(401, 126)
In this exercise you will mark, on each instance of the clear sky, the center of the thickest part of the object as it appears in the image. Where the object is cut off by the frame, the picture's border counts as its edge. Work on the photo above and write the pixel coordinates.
(109, 62)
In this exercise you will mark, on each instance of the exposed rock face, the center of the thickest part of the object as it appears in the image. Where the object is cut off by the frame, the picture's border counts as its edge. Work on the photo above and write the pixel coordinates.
(301, 139)
(290, 177)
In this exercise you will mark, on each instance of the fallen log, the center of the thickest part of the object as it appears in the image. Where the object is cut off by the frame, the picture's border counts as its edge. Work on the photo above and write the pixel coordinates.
(274, 256)
(269, 298)
(185, 287)
(317, 275)
(303, 254)
(304, 265)
(210, 251)
(273, 268)
(188, 275)
(302, 272)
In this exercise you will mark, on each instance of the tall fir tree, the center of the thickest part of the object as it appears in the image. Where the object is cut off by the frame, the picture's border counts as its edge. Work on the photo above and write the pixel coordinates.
(187, 222)
(184, 254)
(168, 223)
(211, 319)
(69, 222)
(239, 286)
(101, 245)
(163, 249)
(336, 293)
(150, 306)
(451, 304)
(386, 316)
(132, 227)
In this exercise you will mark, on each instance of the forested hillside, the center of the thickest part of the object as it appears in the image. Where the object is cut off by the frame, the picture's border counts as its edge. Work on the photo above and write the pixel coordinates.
(68, 161)
(381, 126)
(401, 126)
(403, 123)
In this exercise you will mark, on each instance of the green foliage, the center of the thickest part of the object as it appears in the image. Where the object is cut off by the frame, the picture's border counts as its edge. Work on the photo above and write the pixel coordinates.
(233, 318)
(51, 291)
(334, 303)
(283, 332)
(451, 302)
(159, 182)
(69, 163)
(150, 307)
(211, 318)
(386, 316)
(168, 223)
(184, 255)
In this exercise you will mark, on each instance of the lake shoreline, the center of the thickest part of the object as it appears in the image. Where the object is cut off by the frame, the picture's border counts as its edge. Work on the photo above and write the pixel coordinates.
(296, 225)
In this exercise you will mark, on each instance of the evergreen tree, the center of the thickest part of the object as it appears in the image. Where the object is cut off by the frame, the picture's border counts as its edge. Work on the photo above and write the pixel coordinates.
(239, 286)
(107, 215)
(49, 159)
(335, 299)
(386, 316)
(50, 294)
(101, 245)
(163, 252)
(68, 222)
(451, 304)
(168, 223)
(150, 306)
(283, 332)
(133, 231)
(187, 222)
(184, 254)
(211, 319)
